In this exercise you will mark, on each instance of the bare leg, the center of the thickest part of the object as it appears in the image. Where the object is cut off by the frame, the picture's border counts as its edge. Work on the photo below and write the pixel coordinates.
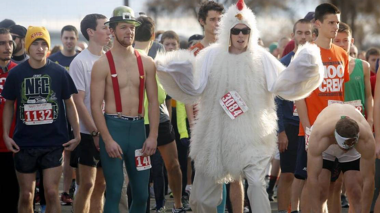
(170, 156)
(297, 187)
(87, 176)
(333, 201)
(67, 172)
(51, 182)
(97, 196)
(352, 181)
(284, 190)
(237, 196)
(27, 183)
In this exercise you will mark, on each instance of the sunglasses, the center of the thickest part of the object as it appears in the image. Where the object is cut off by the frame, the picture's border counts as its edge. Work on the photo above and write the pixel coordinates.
(14, 37)
(236, 31)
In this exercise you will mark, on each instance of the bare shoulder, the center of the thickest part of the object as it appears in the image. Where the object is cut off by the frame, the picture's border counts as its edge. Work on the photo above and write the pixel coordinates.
(101, 66)
(365, 64)
(149, 64)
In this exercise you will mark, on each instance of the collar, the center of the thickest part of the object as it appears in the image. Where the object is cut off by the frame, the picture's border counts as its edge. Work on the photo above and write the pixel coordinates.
(6, 68)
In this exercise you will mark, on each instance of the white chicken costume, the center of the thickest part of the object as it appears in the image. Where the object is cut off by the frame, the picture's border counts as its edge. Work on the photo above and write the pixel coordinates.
(226, 149)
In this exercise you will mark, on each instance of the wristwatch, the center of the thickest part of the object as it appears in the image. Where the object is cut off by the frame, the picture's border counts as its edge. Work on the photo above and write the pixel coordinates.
(95, 133)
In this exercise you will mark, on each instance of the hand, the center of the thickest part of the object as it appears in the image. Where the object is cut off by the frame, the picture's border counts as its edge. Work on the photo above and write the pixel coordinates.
(96, 142)
(70, 146)
(149, 147)
(282, 142)
(11, 145)
(185, 142)
(378, 150)
(113, 150)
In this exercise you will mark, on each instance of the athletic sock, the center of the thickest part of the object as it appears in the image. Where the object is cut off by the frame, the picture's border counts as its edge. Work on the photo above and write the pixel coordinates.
(272, 182)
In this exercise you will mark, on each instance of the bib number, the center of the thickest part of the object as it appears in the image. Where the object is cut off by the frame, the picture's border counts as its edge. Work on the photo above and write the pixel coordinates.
(233, 104)
(356, 103)
(142, 163)
(37, 114)
(295, 111)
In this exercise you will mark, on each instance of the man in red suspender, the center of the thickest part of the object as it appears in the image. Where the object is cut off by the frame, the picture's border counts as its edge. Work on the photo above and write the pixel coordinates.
(119, 78)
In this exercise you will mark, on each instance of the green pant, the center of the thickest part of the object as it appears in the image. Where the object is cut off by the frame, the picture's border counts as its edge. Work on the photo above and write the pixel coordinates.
(130, 135)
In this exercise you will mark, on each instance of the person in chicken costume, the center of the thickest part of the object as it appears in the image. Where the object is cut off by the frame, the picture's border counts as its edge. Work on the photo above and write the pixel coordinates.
(235, 82)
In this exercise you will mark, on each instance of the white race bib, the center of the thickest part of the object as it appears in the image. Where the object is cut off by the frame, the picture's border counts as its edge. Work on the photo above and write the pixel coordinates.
(142, 163)
(37, 114)
(356, 103)
(233, 104)
(295, 111)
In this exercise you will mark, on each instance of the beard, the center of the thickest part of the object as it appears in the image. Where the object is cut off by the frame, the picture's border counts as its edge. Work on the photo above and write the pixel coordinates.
(122, 42)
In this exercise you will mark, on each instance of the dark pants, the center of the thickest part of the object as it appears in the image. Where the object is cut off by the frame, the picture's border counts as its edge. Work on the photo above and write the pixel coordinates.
(158, 179)
(8, 184)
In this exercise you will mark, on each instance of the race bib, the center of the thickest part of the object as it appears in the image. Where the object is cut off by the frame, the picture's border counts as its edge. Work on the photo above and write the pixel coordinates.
(37, 114)
(307, 137)
(233, 104)
(295, 111)
(142, 163)
(356, 103)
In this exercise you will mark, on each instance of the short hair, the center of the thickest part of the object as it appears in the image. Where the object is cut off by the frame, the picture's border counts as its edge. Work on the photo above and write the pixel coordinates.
(207, 6)
(325, 9)
(347, 127)
(345, 28)
(145, 31)
(69, 28)
(301, 21)
(371, 51)
(170, 35)
(4, 31)
(90, 21)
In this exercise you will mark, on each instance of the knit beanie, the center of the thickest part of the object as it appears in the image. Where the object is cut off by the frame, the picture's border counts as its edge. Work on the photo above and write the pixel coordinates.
(35, 33)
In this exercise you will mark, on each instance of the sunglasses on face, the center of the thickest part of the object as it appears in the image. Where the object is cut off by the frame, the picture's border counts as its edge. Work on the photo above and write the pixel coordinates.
(236, 31)
(14, 37)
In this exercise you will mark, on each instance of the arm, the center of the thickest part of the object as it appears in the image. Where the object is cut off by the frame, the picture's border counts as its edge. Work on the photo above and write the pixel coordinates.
(282, 137)
(150, 144)
(366, 148)
(72, 115)
(84, 115)
(98, 87)
(376, 115)
(368, 94)
(303, 114)
(7, 122)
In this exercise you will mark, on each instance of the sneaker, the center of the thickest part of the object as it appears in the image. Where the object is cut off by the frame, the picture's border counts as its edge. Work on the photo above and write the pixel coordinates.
(188, 190)
(153, 208)
(344, 201)
(185, 203)
(66, 199)
(72, 189)
(181, 210)
(161, 210)
(246, 210)
(43, 208)
(171, 195)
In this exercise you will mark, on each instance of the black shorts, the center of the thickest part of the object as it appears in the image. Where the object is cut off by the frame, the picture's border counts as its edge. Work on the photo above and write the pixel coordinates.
(165, 133)
(86, 152)
(29, 160)
(288, 158)
(301, 165)
(335, 167)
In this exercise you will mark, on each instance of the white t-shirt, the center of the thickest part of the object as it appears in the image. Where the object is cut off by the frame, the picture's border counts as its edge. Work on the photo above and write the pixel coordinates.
(80, 72)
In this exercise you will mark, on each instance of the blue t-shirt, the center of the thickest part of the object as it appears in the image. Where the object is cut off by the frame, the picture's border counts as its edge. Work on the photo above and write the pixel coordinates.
(40, 95)
(285, 108)
(62, 60)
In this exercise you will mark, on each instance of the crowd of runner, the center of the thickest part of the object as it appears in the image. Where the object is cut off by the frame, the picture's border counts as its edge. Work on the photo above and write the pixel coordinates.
(127, 116)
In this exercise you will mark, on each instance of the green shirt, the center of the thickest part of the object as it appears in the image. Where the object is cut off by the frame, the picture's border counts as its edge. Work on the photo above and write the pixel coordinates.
(355, 87)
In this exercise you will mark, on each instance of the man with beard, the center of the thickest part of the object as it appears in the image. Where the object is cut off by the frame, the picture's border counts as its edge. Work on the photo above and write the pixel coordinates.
(235, 80)
(122, 125)
(18, 33)
(8, 185)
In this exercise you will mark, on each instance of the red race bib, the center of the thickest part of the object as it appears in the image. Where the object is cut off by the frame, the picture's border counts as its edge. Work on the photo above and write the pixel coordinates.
(142, 163)
(37, 114)
(233, 104)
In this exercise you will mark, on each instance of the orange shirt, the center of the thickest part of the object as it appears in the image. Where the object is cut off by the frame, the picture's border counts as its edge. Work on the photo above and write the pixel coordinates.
(335, 62)
(196, 48)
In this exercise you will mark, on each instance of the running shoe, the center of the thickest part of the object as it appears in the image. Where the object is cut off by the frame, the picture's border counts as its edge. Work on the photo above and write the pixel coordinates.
(161, 210)
(344, 201)
(185, 203)
(181, 210)
(66, 200)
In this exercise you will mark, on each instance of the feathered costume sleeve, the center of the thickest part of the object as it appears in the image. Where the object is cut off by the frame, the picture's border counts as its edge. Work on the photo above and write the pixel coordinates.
(303, 75)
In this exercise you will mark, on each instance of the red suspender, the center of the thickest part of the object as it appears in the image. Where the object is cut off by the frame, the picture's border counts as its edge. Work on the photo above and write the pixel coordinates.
(115, 82)
(142, 82)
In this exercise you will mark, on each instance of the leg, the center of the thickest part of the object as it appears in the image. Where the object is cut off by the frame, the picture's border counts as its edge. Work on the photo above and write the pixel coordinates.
(97, 196)
(67, 178)
(206, 194)
(377, 186)
(170, 157)
(273, 175)
(51, 181)
(8, 183)
(297, 187)
(87, 181)
(237, 196)
(27, 183)
(255, 175)
(352, 181)
(158, 180)
(333, 201)
(324, 180)
(284, 190)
